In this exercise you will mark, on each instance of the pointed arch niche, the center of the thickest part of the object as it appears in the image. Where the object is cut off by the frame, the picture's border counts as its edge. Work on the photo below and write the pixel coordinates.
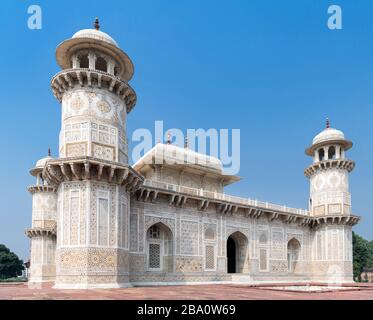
(159, 248)
(237, 253)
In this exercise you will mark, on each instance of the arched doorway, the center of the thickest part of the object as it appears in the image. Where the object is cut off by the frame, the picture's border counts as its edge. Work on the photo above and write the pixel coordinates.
(159, 248)
(237, 253)
(293, 255)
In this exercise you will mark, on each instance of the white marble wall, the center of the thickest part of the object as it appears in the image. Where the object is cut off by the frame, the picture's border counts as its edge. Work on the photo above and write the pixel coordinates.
(93, 124)
(329, 191)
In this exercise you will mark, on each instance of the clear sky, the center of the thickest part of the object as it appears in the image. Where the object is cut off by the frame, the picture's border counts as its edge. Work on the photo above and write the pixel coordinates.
(270, 68)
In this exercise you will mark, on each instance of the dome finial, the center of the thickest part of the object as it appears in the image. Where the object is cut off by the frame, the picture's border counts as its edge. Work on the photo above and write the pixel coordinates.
(327, 123)
(49, 152)
(186, 144)
(97, 24)
(169, 137)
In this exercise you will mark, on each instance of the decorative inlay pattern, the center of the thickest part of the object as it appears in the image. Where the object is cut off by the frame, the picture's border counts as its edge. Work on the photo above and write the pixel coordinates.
(189, 238)
(210, 257)
(103, 152)
(103, 106)
(76, 149)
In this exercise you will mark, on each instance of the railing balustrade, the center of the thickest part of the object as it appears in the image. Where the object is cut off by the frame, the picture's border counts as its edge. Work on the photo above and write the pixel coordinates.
(222, 197)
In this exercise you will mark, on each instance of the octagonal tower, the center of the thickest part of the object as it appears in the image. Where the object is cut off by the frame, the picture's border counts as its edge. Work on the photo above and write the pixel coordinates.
(92, 174)
(43, 229)
(329, 173)
(330, 206)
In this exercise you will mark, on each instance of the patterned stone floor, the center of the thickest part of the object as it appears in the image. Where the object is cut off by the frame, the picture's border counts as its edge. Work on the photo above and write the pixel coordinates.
(202, 292)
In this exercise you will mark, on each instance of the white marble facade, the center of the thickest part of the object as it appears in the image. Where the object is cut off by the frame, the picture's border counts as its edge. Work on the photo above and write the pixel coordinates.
(98, 222)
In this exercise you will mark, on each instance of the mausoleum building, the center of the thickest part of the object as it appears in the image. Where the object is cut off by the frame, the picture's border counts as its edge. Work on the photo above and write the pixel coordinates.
(97, 221)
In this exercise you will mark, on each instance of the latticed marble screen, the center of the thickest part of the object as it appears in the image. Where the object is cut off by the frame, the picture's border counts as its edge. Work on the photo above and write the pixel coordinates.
(154, 256)
(210, 258)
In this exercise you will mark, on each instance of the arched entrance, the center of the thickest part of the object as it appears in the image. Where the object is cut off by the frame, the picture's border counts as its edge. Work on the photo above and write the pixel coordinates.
(237, 253)
(293, 255)
(159, 248)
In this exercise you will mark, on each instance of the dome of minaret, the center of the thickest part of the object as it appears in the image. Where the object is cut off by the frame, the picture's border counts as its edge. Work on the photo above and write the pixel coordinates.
(39, 165)
(95, 34)
(329, 136)
(94, 39)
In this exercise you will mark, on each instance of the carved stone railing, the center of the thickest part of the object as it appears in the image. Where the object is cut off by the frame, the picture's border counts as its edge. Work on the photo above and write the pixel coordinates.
(224, 197)
(230, 204)
(69, 78)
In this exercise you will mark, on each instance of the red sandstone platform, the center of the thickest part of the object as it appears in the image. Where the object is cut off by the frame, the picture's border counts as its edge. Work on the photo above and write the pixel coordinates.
(200, 292)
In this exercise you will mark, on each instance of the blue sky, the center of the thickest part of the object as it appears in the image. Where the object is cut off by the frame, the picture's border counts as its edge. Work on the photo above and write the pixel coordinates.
(270, 68)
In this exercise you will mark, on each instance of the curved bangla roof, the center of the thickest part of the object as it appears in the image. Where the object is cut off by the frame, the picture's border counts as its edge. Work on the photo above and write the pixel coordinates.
(184, 159)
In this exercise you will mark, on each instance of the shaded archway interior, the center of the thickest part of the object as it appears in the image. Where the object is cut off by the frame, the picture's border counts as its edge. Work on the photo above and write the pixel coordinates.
(237, 253)
(231, 255)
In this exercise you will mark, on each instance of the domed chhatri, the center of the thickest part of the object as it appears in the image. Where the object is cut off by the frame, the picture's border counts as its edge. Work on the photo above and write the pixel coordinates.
(40, 164)
(95, 34)
(329, 136)
(330, 201)
(98, 43)
(328, 173)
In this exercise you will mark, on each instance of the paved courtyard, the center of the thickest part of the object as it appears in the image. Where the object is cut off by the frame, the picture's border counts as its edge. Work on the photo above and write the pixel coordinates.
(201, 292)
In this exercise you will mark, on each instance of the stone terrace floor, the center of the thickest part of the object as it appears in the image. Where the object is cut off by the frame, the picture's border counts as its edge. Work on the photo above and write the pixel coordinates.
(200, 292)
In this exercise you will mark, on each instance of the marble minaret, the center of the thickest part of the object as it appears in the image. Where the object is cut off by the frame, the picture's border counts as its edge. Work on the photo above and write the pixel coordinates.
(92, 175)
(330, 205)
(43, 230)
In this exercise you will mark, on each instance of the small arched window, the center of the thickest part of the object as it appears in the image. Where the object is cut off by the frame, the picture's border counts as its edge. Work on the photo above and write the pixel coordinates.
(331, 153)
(84, 61)
(101, 64)
(321, 155)
(116, 71)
